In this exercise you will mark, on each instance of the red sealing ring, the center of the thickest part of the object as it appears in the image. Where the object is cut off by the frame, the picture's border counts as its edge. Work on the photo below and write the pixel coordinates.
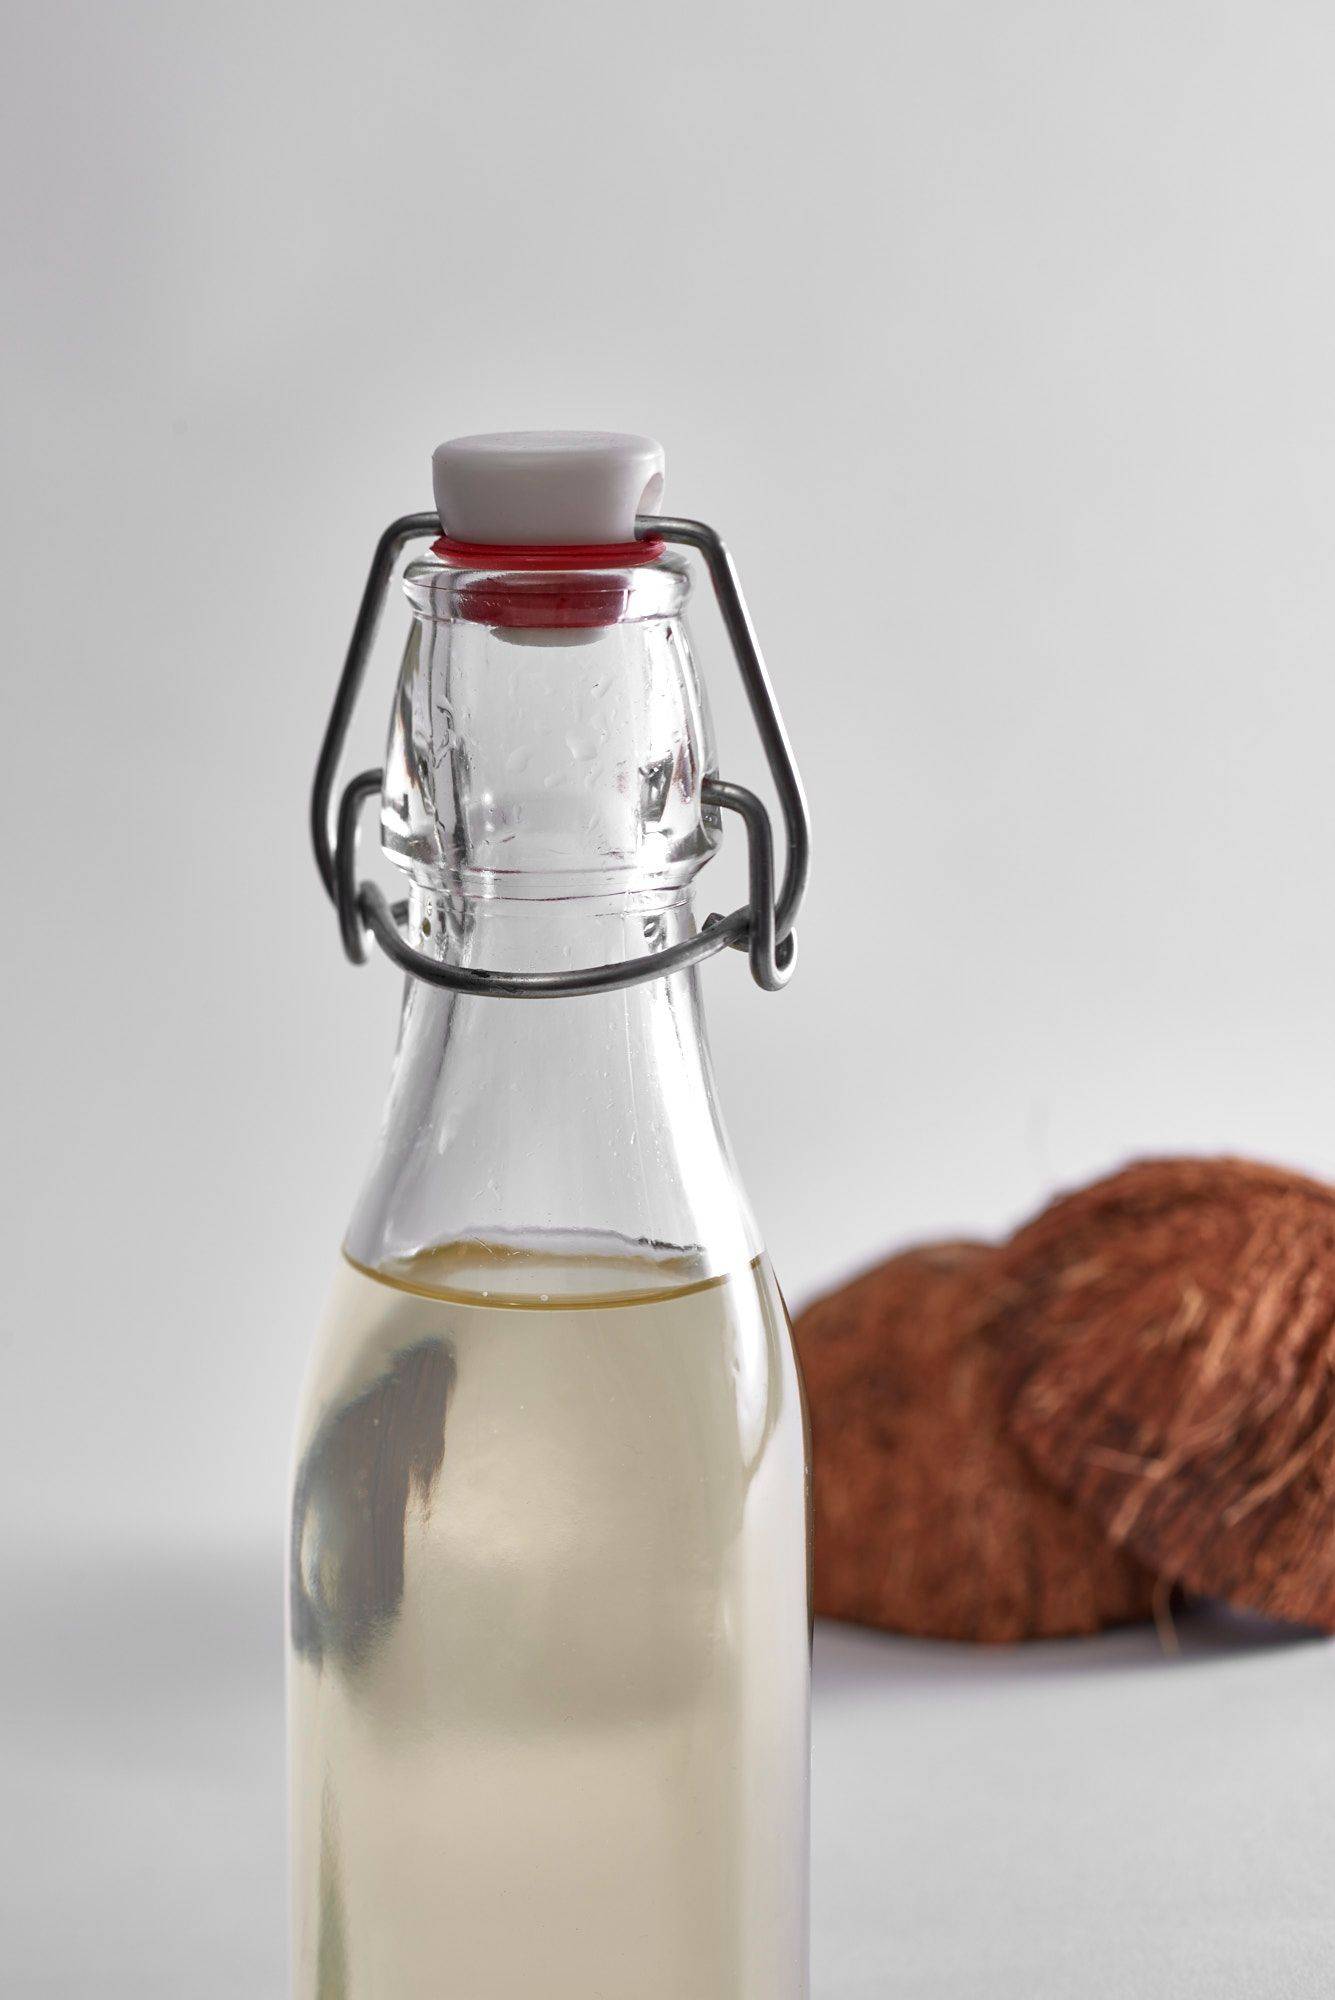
(516, 597)
(532, 555)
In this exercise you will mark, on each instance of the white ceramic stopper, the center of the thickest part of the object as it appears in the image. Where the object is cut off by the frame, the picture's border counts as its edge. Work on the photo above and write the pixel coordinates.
(546, 488)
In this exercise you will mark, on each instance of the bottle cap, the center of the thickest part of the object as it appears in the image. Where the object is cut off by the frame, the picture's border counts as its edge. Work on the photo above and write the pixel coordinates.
(546, 489)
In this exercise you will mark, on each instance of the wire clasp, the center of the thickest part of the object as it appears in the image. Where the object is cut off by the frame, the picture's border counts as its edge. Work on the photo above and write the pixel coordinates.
(762, 927)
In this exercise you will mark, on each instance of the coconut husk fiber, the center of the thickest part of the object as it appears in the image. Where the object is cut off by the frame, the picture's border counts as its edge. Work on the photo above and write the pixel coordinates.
(927, 1518)
(1166, 1342)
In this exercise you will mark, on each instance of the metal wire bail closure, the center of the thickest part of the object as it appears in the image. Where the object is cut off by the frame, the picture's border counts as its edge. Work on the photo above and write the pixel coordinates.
(762, 927)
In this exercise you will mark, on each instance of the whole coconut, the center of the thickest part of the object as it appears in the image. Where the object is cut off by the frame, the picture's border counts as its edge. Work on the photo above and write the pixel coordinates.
(928, 1518)
(1166, 1340)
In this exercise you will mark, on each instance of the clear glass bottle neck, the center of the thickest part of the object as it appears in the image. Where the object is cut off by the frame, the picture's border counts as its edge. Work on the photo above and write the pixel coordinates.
(544, 794)
(548, 760)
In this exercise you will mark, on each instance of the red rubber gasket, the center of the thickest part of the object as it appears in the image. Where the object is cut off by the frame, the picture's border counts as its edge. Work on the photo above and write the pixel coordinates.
(531, 555)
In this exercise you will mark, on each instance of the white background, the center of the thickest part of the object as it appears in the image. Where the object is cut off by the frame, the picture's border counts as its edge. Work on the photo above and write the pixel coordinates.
(998, 340)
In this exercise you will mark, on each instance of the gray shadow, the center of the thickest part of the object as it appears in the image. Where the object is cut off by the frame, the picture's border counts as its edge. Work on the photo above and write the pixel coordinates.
(1202, 1633)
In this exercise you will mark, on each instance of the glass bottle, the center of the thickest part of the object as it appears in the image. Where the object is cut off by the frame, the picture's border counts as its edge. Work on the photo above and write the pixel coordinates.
(549, 1612)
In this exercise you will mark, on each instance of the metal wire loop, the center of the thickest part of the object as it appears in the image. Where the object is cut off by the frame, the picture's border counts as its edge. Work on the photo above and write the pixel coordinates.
(762, 927)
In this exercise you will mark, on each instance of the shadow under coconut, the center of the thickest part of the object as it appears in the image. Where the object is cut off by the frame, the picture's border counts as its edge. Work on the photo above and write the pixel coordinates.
(854, 1657)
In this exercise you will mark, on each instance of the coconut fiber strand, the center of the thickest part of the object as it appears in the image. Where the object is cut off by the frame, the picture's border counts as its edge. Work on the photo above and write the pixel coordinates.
(1166, 1341)
(927, 1517)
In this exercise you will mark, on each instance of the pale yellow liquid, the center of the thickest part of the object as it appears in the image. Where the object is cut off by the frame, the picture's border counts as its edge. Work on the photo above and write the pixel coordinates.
(549, 1672)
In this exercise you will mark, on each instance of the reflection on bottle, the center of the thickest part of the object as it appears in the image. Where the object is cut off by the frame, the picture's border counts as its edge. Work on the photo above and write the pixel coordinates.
(366, 1462)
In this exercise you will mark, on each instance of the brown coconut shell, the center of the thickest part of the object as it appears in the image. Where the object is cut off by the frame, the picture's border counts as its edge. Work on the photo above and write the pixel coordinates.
(927, 1517)
(1167, 1345)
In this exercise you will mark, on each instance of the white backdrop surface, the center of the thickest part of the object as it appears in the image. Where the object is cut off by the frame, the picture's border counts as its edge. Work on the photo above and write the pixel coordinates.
(1073, 1819)
(997, 339)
